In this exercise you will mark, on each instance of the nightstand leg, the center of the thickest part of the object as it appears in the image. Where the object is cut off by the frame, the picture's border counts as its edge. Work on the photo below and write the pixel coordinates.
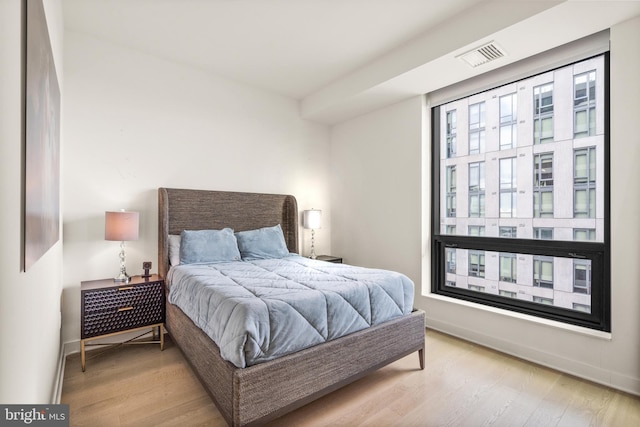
(161, 337)
(82, 359)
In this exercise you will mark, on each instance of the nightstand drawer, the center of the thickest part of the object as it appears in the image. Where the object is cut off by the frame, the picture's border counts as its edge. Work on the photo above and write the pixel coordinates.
(119, 319)
(112, 299)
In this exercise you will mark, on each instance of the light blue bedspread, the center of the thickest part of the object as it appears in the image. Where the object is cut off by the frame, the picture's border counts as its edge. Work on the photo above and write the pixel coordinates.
(259, 310)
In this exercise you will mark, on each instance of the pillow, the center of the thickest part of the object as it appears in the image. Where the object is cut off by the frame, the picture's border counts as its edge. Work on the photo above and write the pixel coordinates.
(262, 243)
(208, 246)
(174, 249)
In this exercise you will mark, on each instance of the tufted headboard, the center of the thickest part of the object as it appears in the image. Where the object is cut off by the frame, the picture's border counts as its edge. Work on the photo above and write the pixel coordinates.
(180, 209)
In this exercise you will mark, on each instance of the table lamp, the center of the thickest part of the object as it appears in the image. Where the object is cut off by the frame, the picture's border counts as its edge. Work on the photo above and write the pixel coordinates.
(121, 226)
(312, 219)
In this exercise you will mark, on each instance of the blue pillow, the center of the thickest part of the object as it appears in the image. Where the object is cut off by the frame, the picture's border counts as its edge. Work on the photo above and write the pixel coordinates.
(263, 243)
(203, 246)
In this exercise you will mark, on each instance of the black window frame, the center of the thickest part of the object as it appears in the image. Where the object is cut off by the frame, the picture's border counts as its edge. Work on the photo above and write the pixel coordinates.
(598, 253)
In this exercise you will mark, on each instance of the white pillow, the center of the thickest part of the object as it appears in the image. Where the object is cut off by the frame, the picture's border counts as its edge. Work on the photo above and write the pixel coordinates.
(174, 249)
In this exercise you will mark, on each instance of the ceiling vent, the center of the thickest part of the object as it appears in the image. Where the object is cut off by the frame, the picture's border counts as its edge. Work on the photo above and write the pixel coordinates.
(483, 54)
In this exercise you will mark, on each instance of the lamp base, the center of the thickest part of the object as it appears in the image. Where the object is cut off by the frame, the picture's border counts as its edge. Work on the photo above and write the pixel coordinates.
(122, 278)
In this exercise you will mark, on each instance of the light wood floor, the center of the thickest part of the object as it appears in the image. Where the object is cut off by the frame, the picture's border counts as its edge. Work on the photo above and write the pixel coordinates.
(462, 385)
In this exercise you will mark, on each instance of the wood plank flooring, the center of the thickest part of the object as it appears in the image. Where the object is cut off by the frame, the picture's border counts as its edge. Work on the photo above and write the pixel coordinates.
(463, 384)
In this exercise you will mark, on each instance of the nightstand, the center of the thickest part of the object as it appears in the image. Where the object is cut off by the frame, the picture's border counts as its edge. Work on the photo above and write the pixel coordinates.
(330, 258)
(110, 308)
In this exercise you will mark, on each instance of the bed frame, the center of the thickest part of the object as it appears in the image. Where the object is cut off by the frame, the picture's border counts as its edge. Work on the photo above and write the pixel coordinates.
(260, 393)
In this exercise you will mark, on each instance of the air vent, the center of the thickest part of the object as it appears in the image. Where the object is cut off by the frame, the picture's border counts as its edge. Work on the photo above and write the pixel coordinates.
(482, 54)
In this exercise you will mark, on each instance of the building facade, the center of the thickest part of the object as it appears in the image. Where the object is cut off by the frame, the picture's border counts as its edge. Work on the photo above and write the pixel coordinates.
(526, 161)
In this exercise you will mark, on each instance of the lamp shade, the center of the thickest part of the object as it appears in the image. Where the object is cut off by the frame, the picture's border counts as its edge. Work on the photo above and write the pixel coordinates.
(312, 219)
(121, 226)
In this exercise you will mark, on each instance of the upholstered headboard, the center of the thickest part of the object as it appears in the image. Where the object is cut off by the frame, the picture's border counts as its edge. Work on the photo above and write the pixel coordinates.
(180, 210)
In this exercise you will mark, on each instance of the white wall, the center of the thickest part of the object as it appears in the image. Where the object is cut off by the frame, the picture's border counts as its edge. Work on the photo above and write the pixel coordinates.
(375, 172)
(135, 122)
(377, 157)
(29, 302)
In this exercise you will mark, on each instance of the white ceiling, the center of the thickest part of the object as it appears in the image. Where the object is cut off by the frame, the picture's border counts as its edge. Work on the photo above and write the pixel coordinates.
(326, 53)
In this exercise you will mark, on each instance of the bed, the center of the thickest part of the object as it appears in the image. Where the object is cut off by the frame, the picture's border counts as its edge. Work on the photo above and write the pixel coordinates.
(264, 391)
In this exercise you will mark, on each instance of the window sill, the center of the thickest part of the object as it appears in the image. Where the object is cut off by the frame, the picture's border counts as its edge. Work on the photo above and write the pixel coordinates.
(520, 316)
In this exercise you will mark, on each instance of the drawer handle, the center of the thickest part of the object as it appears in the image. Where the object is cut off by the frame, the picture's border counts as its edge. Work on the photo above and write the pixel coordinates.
(126, 288)
(125, 309)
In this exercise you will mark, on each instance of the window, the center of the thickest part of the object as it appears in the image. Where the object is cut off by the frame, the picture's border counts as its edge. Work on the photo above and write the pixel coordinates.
(452, 127)
(533, 225)
(476, 263)
(543, 185)
(508, 190)
(542, 300)
(584, 183)
(584, 234)
(508, 121)
(476, 128)
(451, 260)
(543, 272)
(584, 104)
(543, 114)
(508, 294)
(508, 267)
(581, 277)
(476, 189)
(508, 232)
(476, 230)
(543, 233)
(451, 191)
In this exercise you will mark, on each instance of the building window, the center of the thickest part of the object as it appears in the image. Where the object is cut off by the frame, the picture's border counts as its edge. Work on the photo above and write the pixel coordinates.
(528, 231)
(542, 300)
(508, 294)
(543, 114)
(510, 232)
(584, 234)
(451, 191)
(508, 187)
(584, 183)
(476, 189)
(584, 104)
(542, 233)
(476, 230)
(451, 260)
(543, 185)
(508, 121)
(476, 263)
(476, 128)
(508, 269)
(543, 272)
(581, 307)
(582, 277)
(452, 130)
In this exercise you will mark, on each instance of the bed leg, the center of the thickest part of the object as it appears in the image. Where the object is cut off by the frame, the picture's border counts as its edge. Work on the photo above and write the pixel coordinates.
(421, 357)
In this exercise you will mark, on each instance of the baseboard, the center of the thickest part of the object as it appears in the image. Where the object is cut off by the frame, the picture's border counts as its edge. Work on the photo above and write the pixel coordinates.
(569, 366)
(59, 378)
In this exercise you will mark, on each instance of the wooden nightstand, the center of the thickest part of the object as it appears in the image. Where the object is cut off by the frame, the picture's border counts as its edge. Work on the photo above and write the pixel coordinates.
(111, 308)
(330, 258)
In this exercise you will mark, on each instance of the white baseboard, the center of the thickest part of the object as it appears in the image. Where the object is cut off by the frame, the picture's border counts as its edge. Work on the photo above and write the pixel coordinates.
(59, 378)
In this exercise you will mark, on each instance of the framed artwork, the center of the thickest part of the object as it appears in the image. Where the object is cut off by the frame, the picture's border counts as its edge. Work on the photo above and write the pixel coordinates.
(42, 133)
